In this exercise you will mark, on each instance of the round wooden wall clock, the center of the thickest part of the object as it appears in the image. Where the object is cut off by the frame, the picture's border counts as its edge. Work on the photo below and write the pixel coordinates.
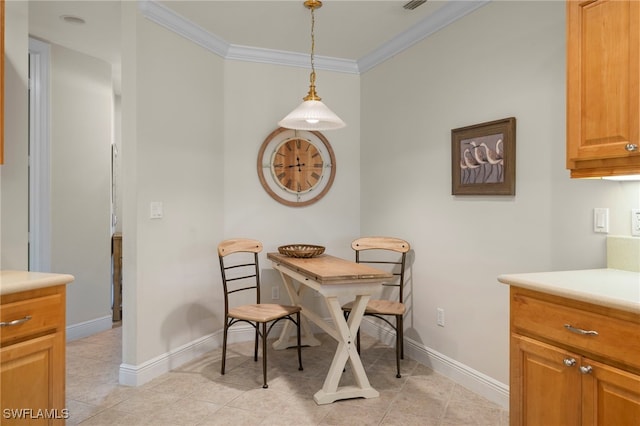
(296, 167)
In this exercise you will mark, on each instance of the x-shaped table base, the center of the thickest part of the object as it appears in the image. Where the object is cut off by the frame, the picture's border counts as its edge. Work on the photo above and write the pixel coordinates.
(342, 330)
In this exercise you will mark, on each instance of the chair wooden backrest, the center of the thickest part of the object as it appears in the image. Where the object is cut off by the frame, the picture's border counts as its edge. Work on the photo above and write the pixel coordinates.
(389, 244)
(243, 273)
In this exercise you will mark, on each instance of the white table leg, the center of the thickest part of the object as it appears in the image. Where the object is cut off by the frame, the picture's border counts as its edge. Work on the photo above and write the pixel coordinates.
(287, 337)
(346, 331)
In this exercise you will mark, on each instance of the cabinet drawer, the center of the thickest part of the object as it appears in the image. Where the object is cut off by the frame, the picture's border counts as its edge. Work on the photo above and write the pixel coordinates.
(46, 313)
(616, 339)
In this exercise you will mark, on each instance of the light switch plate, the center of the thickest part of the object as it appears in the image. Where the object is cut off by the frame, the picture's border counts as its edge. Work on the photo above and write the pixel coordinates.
(155, 210)
(601, 220)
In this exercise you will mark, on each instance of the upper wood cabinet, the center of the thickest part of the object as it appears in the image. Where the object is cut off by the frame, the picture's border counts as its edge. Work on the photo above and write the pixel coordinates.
(603, 88)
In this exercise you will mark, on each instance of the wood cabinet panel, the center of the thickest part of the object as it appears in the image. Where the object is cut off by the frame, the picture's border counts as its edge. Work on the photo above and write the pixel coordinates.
(610, 396)
(545, 391)
(32, 357)
(603, 87)
(547, 320)
(44, 313)
(558, 377)
(31, 381)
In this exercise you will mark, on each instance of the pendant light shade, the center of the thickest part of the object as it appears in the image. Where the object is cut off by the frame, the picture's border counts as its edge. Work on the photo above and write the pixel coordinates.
(312, 114)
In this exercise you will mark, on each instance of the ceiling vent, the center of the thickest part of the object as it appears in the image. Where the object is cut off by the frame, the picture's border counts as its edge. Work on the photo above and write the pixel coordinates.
(413, 4)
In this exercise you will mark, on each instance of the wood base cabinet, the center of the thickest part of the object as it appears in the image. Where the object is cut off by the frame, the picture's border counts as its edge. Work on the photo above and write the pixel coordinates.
(603, 87)
(572, 363)
(32, 357)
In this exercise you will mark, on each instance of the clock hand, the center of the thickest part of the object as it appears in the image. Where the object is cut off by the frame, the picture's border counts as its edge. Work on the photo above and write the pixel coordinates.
(299, 166)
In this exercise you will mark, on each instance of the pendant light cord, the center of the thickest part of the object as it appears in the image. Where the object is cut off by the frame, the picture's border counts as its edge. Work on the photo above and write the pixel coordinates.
(312, 114)
(312, 95)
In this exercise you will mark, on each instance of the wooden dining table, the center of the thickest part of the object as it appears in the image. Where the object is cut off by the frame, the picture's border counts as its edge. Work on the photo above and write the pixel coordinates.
(332, 278)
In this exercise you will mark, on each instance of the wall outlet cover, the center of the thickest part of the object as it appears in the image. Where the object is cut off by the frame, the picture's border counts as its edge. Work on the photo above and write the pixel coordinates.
(635, 222)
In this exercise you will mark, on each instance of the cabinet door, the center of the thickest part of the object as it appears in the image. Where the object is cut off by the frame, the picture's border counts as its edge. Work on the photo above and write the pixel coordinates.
(32, 382)
(603, 87)
(544, 384)
(610, 396)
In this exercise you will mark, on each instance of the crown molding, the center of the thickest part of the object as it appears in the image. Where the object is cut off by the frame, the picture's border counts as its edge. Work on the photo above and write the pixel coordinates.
(163, 16)
(447, 14)
(169, 19)
(294, 59)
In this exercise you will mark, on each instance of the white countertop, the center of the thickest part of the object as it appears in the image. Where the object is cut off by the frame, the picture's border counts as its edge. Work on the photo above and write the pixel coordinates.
(16, 281)
(613, 288)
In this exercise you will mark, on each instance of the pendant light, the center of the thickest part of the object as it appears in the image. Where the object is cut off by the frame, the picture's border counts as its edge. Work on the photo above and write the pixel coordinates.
(312, 114)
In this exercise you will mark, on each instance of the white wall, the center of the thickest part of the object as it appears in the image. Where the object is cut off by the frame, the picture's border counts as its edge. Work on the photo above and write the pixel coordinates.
(81, 127)
(172, 152)
(14, 173)
(506, 59)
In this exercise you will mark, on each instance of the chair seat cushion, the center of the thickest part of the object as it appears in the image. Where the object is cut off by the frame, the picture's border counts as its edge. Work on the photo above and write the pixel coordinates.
(381, 307)
(262, 312)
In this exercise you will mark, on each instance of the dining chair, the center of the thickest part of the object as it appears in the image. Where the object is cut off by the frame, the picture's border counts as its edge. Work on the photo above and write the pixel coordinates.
(241, 278)
(384, 251)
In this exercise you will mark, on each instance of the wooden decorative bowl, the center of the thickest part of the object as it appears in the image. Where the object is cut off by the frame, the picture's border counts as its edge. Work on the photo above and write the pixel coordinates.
(301, 250)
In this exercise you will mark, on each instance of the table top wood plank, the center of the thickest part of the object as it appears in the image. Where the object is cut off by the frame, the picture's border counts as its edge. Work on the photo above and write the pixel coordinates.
(327, 269)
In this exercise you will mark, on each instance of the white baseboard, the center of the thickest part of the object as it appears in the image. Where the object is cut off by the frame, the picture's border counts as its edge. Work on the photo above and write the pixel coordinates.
(136, 375)
(462, 374)
(87, 328)
(493, 390)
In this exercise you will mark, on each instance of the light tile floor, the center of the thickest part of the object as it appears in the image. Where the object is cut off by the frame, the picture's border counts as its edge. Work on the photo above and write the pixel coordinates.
(197, 394)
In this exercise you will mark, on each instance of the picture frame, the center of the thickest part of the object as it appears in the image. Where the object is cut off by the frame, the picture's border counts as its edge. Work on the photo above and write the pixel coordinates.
(483, 158)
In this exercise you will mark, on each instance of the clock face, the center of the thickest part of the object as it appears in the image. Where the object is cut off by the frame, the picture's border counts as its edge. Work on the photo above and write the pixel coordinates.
(296, 167)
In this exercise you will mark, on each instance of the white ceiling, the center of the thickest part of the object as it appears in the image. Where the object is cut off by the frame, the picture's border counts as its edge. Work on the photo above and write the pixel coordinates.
(99, 36)
(346, 29)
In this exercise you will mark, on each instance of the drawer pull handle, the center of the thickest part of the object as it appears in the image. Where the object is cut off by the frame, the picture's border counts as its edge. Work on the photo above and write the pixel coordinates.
(586, 369)
(580, 331)
(15, 322)
(569, 362)
(631, 147)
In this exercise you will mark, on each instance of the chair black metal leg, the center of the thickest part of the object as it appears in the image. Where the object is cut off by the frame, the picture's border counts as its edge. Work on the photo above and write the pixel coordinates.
(399, 345)
(299, 342)
(264, 355)
(255, 349)
(224, 346)
(398, 355)
(401, 332)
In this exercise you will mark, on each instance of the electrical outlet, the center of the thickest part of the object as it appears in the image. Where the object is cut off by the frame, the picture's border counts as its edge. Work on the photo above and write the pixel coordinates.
(635, 222)
(440, 317)
(275, 293)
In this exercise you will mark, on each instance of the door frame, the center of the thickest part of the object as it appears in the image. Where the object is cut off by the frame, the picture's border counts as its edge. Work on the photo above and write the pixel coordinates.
(39, 157)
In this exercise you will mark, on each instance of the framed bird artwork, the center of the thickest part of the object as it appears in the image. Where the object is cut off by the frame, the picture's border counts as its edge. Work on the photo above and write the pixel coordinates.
(483, 158)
